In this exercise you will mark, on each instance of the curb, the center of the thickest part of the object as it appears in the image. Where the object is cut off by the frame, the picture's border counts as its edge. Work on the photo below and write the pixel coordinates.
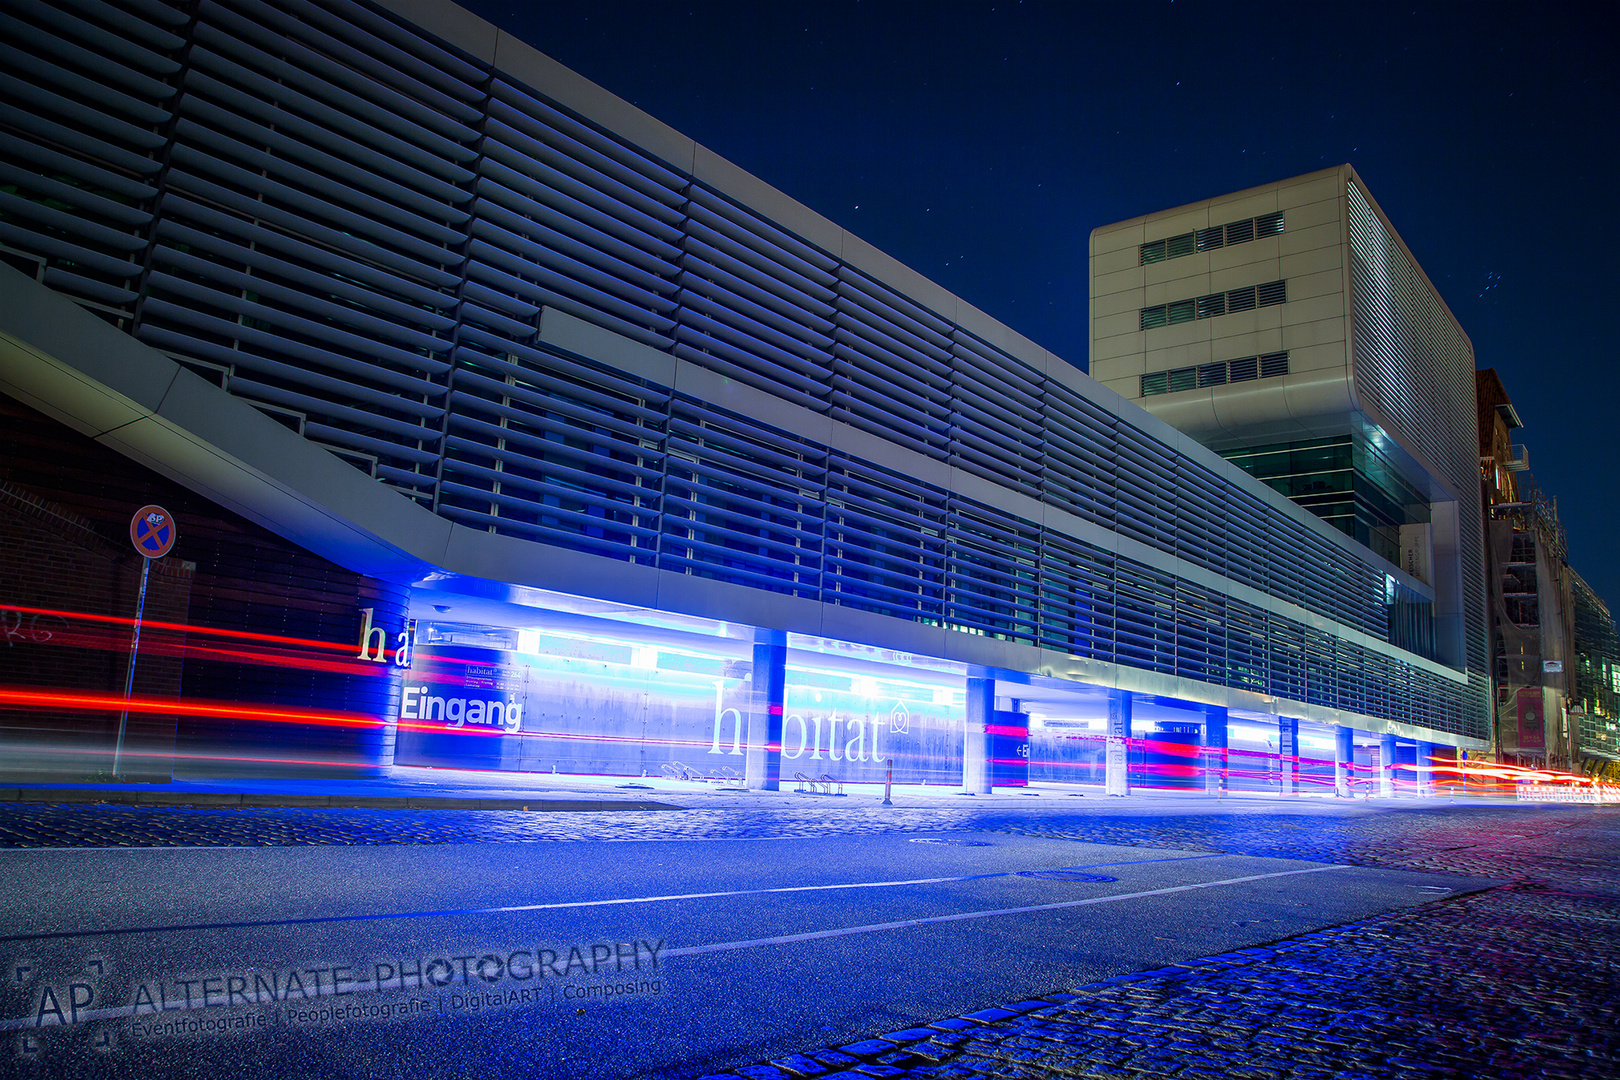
(351, 802)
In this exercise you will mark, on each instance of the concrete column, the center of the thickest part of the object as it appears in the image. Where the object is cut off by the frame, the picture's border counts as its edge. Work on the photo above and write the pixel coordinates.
(1118, 780)
(1288, 753)
(1215, 743)
(981, 716)
(763, 769)
(1386, 767)
(1424, 762)
(1344, 760)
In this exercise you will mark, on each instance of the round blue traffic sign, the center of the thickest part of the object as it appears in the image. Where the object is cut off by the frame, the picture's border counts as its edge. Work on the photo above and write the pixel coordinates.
(152, 531)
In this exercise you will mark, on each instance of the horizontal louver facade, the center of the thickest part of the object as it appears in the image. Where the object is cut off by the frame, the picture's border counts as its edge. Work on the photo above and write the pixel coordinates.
(358, 229)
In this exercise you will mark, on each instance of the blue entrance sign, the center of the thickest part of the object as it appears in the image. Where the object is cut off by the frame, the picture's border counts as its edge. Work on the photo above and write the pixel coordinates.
(152, 531)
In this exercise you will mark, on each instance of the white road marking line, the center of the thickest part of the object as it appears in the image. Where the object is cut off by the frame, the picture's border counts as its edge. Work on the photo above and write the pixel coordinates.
(555, 906)
(789, 939)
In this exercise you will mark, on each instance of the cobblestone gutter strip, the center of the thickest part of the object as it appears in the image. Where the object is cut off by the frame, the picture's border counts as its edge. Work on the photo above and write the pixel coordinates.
(26, 796)
(1518, 981)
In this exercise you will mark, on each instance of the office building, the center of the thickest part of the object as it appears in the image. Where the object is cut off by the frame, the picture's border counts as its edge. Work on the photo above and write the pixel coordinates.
(1289, 329)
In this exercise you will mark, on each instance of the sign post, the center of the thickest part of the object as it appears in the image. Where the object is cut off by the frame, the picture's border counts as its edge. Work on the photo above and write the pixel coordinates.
(152, 532)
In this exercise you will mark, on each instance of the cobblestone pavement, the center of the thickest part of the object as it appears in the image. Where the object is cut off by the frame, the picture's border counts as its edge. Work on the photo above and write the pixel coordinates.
(1521, 980)
(1322, 831)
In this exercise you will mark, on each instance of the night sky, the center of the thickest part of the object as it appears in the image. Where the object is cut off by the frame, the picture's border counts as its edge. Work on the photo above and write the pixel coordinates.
(980, 143)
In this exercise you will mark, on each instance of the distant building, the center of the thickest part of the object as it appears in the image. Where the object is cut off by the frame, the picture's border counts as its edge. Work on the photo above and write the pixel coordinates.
(1531, 592)
(1289, 329)
(1595, 697)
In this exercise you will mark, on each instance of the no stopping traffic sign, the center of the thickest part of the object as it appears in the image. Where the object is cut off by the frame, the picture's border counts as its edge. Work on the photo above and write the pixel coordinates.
(152, 531)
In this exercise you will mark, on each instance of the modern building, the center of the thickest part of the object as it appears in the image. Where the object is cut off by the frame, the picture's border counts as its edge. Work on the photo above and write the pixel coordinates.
(505, 427)
(1289, 329)
(1595, 698)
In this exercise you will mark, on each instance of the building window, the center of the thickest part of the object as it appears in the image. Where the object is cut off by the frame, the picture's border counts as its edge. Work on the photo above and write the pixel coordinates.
(1208, 307)
(1216, 236)
(1221, 372)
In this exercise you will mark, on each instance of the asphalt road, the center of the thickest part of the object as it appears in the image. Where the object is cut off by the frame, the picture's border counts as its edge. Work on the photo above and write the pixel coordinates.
(601, 959)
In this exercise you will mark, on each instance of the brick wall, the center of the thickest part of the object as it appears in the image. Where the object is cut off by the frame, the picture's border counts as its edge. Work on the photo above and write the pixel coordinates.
(65, 505)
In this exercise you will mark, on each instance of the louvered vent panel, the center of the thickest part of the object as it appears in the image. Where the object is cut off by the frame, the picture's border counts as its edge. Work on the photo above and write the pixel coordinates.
(1249, 551)
(1248, 657)
(1200, 634)
(562, 224)
(1147, 500)
(1287, 658)
(996, 416)
(1079, 475)
(314, 232)
(742, 503)
(86, 91)
(886, 546)
(546, 448)
(734, 341)
(1201, 525)
(1320, 659)
(993, 568)
(1077, 598)
(1145, 618)
(891, 366)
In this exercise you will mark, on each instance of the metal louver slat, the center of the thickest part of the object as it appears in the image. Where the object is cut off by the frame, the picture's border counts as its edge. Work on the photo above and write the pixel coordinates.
(621, 204)
(606, 258)
(592, 170)
(565, 377)
(438, 146)
(334, 129)
(602, 152)
(428, 258)
(324, 74)
(331, 176)
(391, 48)
(105, 41)
(760, 235)
(569, 215)
(144, 111)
